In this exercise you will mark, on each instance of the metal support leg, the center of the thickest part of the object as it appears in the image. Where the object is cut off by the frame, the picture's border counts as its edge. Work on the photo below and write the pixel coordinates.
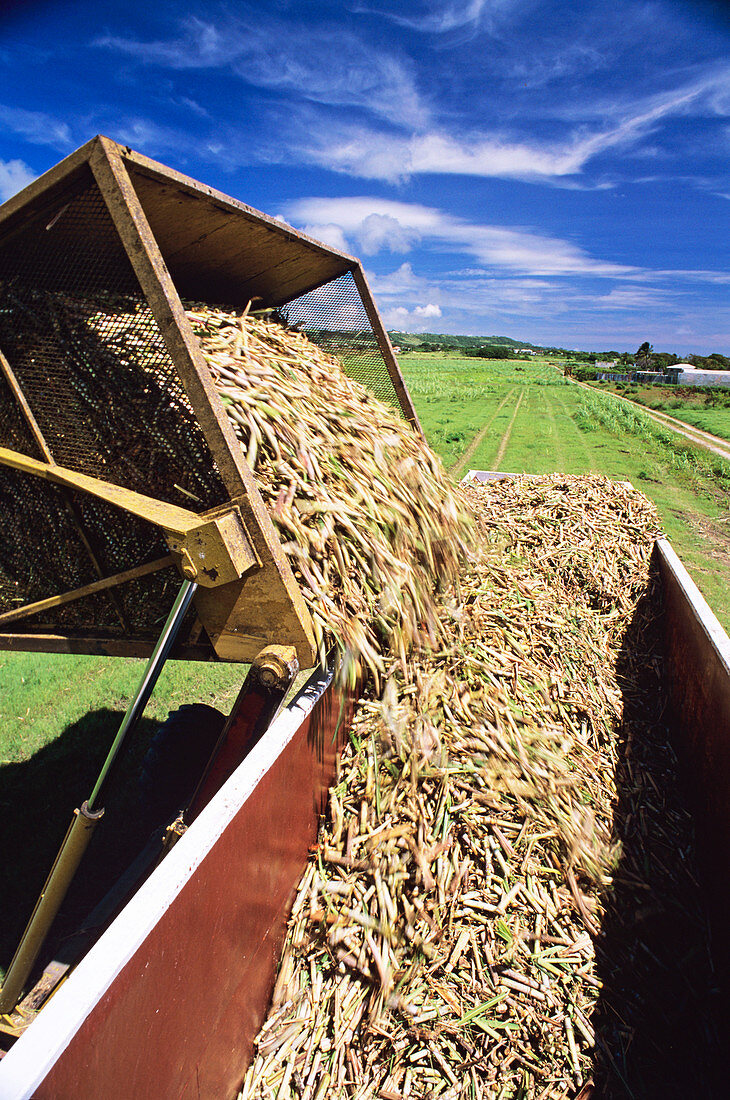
(85, 819)
(151, 675)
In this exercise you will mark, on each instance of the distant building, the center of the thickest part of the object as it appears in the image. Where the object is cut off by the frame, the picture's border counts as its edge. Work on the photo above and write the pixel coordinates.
(606, 364)
(614, 376)
(684, 374)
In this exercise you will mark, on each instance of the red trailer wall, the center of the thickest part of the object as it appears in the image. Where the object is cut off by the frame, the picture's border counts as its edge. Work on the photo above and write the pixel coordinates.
(697, 665)
(176, 1018)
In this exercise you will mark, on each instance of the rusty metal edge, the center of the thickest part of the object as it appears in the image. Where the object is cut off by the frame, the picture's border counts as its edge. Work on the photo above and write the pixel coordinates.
(275, 578)
(697, 686)
(33, 1056)
(155, 170)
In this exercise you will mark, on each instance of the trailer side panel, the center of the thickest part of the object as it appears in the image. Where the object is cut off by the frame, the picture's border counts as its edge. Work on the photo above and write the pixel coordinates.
(167, 1004)
(697, 656)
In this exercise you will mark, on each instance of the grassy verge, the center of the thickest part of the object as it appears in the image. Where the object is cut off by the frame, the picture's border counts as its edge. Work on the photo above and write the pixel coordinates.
(702, 468)
(708, 409)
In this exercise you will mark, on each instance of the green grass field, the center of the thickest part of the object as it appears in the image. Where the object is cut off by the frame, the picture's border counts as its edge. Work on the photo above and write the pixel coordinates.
(540, 422)
(59, 714)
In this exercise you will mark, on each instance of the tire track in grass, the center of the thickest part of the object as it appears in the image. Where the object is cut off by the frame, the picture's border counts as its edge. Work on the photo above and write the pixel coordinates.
(591, 459)
(508, 433)
(458, 467)
(556, 434)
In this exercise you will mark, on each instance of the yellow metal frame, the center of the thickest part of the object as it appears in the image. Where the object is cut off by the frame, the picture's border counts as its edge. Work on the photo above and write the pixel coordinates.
(212, 549)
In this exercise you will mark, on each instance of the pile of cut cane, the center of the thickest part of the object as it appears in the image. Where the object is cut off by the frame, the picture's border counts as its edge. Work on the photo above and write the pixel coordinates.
(445, 939)
(366, 515)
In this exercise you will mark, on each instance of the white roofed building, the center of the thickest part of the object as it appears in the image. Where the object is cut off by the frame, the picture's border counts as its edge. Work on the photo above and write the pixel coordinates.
(684, 374)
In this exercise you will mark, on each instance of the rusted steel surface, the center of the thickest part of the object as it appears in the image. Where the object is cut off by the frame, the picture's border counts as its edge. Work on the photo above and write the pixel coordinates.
(697, 661)
(199, 231)
(266, 686)
(167, 1003)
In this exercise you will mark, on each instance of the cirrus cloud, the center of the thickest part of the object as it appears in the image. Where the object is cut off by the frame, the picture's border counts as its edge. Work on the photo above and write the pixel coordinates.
(322, 64)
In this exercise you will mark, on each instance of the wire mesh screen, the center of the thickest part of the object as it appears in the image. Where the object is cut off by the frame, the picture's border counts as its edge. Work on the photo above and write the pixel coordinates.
(14, 430)
(44, 551)
(90, 361)
(333, 317)
(54, 541)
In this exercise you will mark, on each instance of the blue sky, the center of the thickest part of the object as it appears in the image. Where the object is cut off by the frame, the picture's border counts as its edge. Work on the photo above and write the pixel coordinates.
(556, 172)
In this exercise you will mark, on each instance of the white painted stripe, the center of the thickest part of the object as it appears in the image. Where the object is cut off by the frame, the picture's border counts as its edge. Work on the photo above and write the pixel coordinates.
(702, 611)
(29, 1061)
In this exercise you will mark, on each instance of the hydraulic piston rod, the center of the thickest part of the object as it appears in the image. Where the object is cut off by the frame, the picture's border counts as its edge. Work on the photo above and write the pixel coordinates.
(86, 818)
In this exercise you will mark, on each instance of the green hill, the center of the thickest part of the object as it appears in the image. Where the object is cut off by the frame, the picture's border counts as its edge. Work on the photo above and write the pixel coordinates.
(439, 340)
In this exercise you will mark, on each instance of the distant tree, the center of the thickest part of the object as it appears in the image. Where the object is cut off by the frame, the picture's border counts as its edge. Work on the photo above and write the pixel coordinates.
(660, 360)
(493, 351)
(643, 356)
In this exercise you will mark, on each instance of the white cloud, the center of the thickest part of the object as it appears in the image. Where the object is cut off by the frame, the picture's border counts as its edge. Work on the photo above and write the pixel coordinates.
(536, 70)
(328, 233)
(504, 247)
(14, 176)
(36, 127)
(411, 320)
(327, 65)
(394, 157)
(631, 298)
(696, 275)
(441, 17)
(399, 283)
(351, 212)
(379, 231)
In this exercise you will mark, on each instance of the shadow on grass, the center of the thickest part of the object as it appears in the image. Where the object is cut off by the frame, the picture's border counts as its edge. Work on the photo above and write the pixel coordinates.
(37, 800)
(658, 1026)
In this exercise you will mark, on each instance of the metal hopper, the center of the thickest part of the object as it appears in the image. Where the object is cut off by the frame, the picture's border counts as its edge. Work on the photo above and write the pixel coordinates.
(119, 470)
